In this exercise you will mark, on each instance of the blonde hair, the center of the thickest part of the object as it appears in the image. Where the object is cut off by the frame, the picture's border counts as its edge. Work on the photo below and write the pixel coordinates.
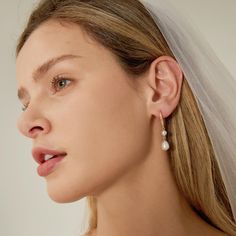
(127, 29)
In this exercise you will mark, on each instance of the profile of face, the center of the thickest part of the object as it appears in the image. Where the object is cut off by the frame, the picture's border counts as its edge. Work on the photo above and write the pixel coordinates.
(95, 116)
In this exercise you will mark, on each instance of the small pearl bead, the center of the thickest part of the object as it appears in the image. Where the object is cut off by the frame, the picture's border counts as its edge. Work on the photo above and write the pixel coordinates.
(165, 146)
(164, 133)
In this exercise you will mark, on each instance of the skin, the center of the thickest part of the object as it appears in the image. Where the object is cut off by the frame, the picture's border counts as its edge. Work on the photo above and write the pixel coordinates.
(110, 132)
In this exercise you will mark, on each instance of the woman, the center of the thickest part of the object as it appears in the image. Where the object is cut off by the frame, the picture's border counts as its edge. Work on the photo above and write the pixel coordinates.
(124, 91)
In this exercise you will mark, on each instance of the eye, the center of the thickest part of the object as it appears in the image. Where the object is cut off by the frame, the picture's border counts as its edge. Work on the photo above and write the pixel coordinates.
(56, 81)
(59, 82)
(24, 107)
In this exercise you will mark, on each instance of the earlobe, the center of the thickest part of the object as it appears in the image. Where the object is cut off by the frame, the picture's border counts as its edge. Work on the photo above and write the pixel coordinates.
(165, 82)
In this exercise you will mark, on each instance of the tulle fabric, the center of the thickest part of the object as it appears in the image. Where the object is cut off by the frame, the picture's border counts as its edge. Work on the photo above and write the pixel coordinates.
(213, 86)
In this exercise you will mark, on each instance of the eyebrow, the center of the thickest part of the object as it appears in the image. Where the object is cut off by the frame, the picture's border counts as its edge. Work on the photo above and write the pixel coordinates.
(43, 69)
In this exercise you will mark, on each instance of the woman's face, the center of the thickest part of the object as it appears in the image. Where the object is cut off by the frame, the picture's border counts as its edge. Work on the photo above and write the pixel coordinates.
(95, 116)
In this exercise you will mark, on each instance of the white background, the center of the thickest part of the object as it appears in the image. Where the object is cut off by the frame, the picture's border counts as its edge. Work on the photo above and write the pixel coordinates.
(25, 208)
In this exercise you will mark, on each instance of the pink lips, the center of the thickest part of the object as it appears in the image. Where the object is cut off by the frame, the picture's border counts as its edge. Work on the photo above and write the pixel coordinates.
(46, 167)
(39, 153)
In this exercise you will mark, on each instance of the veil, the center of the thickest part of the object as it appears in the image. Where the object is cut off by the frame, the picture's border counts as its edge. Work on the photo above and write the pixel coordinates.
(214, 88)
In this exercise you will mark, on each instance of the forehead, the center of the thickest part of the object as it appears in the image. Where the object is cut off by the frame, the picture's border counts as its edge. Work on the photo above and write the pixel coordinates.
(50, 40)
(54, 34)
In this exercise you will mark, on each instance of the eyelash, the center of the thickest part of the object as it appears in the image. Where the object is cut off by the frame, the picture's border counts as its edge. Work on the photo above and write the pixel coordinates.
(54, 81)
(58, 79)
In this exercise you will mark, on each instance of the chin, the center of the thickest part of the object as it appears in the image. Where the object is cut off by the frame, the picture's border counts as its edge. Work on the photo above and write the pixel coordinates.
(63, 196)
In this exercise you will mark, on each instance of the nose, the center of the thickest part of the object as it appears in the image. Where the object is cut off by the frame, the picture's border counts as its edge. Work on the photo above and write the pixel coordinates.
(33, 128)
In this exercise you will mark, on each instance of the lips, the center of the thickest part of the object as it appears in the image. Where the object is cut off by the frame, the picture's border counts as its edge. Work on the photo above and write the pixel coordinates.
(38, 154)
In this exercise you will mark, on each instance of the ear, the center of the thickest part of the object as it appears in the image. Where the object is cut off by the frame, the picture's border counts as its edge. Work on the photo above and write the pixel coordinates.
(164, 86)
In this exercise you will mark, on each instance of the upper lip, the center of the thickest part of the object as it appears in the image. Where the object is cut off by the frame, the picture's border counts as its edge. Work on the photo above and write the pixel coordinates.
(39, 152)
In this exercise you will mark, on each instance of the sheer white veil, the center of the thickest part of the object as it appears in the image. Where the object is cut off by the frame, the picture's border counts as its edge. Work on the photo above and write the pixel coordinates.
(213, 86)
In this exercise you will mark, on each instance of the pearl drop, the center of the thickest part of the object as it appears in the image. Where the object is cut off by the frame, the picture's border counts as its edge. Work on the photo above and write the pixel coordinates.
(165, 145)
(164, 133)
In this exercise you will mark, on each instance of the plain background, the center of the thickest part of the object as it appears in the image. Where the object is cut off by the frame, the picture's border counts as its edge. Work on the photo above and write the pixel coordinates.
(25, 208)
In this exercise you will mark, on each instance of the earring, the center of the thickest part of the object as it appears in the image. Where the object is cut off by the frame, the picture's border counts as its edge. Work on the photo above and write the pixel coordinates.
(164, 145)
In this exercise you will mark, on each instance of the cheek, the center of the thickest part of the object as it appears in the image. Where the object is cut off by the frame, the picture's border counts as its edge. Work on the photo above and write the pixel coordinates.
(106, 136)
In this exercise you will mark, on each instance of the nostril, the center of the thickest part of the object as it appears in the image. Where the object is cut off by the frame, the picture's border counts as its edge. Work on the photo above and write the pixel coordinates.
(35, 129)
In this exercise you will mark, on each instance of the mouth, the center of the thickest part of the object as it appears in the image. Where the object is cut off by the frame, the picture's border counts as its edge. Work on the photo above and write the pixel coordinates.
(50, 165)
(49, 157)
(42, 155)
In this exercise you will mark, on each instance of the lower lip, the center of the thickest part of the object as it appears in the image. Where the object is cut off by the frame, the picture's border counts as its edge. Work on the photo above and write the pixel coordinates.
(47, 167)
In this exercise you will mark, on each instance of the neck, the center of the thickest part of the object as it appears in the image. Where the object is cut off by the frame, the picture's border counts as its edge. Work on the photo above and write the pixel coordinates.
(146, 201)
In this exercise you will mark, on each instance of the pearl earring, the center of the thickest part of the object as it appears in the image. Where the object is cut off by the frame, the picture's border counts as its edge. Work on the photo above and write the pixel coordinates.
(164, 145)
